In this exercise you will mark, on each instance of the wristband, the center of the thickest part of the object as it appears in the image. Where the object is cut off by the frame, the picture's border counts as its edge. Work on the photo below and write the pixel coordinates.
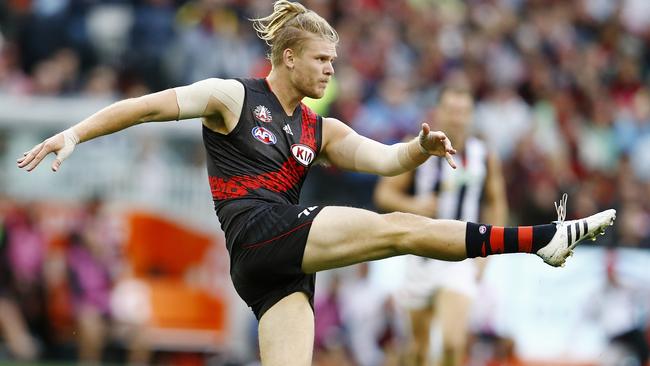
(70, 137)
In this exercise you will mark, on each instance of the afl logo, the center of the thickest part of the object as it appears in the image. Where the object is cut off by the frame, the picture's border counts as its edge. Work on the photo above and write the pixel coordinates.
(263, 114)
(264, 135)
(482, 229)
(303, 153)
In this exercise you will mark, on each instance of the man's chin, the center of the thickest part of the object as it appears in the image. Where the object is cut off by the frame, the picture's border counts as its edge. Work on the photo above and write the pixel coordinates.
(316, 95)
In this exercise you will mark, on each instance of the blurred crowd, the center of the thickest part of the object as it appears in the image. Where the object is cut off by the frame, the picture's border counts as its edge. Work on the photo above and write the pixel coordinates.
(562, 90)
(562, 86)
(59, 267)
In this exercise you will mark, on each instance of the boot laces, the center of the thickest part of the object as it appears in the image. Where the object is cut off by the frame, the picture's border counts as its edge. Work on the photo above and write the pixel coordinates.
(560, 208)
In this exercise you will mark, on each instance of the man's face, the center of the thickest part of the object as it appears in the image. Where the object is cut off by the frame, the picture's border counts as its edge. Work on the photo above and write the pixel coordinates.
(455, 112)
(313, 67)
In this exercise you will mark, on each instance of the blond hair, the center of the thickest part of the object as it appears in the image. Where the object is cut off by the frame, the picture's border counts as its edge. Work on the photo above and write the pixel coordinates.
(289, 26)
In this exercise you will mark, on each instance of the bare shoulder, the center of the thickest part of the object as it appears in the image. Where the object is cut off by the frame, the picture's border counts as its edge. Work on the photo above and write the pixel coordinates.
(334, 128)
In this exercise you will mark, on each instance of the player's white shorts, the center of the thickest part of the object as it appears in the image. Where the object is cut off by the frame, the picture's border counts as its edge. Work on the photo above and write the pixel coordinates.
(425, 276)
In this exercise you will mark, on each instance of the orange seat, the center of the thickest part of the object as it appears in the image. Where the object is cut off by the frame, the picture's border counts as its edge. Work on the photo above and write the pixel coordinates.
(160, 252)
(176, 305)
(157, 246)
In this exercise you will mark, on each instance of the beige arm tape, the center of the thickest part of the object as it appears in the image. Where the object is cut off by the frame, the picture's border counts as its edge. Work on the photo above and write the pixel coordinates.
(193, 99)
(374, 157)
(70, 140)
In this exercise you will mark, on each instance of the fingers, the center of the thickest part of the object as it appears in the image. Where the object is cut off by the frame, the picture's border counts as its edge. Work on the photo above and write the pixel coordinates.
(56, 143)
(450, 160)
(37, 159)
(28, 156)
(22, 158)
(444, 140)
(34, 157)
(56, 165)
(439, 135)
(448, 148)
(449, 151)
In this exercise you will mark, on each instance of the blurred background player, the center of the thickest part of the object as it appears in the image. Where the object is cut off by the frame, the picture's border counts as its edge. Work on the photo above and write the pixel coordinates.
(475, 191)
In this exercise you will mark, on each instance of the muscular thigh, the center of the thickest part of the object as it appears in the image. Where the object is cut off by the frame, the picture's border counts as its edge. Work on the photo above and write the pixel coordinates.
(341, 236)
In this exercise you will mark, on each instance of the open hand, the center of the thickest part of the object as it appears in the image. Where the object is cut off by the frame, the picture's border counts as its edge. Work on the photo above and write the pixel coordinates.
(57, 144)
(437, 143)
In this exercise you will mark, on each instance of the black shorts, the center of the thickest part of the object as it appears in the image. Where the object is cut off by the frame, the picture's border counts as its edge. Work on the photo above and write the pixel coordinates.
(266, 254)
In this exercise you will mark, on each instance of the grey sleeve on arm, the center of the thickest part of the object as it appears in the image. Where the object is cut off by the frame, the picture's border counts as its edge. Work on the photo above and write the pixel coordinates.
(193, 99)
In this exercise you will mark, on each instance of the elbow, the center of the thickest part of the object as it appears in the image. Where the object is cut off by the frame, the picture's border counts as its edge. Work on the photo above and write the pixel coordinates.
(129, 111)
(145, 111)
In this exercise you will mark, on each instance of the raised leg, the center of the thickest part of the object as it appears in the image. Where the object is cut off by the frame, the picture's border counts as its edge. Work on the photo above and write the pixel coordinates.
(341, 236)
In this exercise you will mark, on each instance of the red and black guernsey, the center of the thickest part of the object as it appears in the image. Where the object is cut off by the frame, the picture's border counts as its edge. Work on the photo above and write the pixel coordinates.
(265, 157)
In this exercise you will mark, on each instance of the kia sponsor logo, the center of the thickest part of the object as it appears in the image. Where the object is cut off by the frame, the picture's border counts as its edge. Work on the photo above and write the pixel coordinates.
(264, 135)
(303, 153)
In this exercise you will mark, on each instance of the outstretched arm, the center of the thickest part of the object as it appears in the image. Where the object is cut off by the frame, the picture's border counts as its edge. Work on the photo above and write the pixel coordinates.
(159, 106)
(348, 150)
(207, 98)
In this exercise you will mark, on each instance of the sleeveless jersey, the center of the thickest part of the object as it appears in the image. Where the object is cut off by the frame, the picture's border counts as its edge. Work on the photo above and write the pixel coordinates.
(265, 158)
(459, 191)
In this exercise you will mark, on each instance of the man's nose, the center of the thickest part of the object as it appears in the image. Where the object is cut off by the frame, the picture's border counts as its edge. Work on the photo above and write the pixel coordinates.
(329, 69)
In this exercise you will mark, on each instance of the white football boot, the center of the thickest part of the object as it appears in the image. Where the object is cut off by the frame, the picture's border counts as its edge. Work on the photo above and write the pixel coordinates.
(570, 233)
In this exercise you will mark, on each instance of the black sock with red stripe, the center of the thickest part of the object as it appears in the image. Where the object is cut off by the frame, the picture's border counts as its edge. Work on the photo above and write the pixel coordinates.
(483, 240)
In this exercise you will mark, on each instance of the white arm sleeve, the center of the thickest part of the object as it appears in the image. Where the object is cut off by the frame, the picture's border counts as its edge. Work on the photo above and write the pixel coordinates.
(373, 157)
(193, 99)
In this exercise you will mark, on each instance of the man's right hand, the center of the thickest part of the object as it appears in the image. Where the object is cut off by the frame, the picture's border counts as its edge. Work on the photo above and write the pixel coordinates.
(62, 144)
(436, 143)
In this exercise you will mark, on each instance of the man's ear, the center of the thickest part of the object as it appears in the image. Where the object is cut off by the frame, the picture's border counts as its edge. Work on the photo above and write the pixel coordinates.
(288, 58)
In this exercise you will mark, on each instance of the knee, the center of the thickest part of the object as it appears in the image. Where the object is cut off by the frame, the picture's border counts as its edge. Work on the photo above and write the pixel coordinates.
(404, 230)
(398, 228)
